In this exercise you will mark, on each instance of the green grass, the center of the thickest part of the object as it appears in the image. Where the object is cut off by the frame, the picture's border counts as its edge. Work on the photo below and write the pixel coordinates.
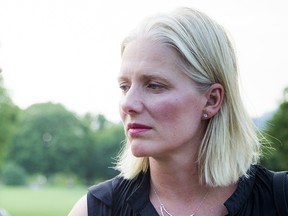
(22, 201)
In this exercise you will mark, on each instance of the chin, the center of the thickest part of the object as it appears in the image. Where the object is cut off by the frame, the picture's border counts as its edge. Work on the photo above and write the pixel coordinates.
(139, 153)
(140, 150)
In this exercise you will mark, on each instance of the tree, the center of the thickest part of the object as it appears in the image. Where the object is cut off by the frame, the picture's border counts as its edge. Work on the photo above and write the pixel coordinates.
(103, 145)
(50, 139)
(8, 119)
(277, 131)
(53, 140)
(108, 146)
(13, 174)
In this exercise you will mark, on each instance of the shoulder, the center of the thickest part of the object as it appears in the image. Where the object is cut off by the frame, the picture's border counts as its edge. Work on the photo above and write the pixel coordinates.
(112, 195)
(263, 176)
(261, 181)
(98, 199)
(267, 178)
(80, 208)
(116, 188)
(254, 193)
(104, 190)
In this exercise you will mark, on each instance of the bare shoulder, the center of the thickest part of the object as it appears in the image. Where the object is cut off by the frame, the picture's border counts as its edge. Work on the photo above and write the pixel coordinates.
(80, 208)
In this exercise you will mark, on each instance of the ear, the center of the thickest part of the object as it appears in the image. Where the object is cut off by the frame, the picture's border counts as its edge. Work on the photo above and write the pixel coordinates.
(215, 96)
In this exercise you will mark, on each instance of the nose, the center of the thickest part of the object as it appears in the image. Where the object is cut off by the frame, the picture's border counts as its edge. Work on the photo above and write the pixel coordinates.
(131, 102)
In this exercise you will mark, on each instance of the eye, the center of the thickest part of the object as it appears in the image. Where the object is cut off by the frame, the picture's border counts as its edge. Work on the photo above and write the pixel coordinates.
(155, 86)
(124, 87)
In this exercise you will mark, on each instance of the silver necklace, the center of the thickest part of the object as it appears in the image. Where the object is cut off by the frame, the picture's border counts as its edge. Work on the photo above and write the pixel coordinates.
(164, 211)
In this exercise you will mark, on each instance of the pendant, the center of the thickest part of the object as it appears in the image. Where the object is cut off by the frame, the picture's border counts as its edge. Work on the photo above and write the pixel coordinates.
(163, 210)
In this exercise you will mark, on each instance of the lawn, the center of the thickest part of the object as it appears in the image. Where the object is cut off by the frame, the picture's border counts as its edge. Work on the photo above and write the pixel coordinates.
(22, 201)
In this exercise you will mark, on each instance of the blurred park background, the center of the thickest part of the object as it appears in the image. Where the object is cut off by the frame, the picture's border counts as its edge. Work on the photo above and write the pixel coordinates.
(50, 155)
(60, 60)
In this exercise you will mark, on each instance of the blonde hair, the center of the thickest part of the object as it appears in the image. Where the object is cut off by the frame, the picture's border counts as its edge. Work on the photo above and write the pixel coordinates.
(230, 144)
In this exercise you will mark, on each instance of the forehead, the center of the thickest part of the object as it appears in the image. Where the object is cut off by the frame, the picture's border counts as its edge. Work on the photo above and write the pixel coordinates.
(147, 60)
(146, 55)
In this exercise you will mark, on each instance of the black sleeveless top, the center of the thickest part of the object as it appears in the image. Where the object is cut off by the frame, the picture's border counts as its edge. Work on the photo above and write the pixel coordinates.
(121, 197)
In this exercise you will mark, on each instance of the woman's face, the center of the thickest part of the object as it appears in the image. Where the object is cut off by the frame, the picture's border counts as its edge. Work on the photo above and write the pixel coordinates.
(160, 107)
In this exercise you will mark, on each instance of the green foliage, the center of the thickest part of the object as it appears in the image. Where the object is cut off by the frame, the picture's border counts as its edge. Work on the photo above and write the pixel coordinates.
(56, 143)
(277, 130)
(103, 143)
(49, 140)
(108, 144)
(8, 120)
(46, 139)
(12, 174)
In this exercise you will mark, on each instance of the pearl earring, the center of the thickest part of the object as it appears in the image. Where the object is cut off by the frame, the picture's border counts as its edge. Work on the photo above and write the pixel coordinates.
(205, 115)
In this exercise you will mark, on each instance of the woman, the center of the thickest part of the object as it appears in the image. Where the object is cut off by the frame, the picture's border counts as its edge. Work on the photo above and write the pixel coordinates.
(190, 144)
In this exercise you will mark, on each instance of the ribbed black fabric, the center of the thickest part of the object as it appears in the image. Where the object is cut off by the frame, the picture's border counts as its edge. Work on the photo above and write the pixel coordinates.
(280, 188)
(120, 197)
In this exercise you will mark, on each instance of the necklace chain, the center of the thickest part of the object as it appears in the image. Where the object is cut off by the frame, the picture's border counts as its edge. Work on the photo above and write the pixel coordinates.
(164, 211)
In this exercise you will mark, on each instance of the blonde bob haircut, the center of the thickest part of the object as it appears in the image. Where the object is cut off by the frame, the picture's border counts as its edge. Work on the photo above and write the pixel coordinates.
(230, 144)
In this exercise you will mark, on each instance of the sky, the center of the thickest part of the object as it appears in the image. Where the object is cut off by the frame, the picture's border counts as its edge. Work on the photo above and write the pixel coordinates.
(68, 51)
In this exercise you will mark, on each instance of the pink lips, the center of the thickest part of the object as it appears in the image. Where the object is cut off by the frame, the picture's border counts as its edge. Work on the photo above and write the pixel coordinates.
(136, 129)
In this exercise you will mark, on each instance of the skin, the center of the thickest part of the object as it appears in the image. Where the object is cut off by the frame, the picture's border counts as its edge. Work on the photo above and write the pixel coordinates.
(162, 114)
(158, 95)
(80, 208)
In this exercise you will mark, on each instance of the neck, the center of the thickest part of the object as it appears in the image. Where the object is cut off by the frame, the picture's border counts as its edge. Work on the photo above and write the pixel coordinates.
(178, 187)
(166, 176)
(184, 171)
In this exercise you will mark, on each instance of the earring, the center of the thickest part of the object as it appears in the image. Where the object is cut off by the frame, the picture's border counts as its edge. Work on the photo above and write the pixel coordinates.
(205, 115)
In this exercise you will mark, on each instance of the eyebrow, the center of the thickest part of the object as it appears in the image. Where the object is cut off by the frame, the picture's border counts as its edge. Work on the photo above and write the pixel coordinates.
(121, 78)
(144, 77)
(151, 77)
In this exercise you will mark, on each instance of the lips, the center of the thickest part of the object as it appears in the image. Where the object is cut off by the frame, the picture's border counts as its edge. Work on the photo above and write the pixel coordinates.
(134, 129)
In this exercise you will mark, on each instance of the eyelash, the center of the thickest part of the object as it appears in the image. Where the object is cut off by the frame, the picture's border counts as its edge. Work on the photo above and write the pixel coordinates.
(150, 85)
(124, 87)
(153, 85)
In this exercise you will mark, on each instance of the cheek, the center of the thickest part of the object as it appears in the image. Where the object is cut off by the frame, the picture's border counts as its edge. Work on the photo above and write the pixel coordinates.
(176, 111)
(167, 110)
